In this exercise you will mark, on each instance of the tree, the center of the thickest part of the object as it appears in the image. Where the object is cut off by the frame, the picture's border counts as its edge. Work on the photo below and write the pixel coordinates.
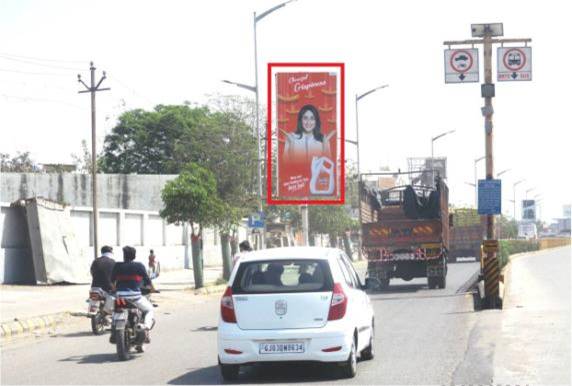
(20, 163)
(332, 220)
(192, 198)
(83, 160)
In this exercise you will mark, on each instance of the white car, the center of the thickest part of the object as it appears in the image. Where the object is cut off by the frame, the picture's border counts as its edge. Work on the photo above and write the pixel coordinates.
(294, 304)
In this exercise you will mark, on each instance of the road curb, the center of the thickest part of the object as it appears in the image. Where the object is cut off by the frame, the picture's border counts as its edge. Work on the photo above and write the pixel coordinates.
(33, 325)
(211, 289)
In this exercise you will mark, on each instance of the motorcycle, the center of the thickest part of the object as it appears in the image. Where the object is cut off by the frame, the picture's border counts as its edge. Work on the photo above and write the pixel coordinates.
(97, 310)
(126, 326)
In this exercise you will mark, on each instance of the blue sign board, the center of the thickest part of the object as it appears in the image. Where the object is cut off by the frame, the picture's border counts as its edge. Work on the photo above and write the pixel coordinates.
(489, 197)
(256, 220)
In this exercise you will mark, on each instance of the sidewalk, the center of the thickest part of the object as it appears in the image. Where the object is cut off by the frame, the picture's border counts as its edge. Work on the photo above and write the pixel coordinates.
(533, 345)
(24, 302)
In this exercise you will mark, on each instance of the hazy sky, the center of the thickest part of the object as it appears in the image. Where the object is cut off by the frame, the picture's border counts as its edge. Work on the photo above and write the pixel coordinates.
(171, 51)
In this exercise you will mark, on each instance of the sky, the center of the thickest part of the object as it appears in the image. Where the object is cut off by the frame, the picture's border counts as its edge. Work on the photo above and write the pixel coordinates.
(168, 52)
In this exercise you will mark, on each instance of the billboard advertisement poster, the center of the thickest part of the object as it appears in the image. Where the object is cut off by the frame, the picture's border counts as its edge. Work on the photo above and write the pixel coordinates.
(305, 133)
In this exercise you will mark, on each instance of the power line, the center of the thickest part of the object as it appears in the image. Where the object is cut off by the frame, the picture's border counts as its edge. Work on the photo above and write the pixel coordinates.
(33, 73)
(31, 99)
(40, 64)
(42, 59)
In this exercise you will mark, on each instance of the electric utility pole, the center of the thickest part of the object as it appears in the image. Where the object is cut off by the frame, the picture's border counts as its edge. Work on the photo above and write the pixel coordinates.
(93, 89)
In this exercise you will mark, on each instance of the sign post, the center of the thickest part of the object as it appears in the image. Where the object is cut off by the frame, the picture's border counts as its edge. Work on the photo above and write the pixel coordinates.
(515, 61)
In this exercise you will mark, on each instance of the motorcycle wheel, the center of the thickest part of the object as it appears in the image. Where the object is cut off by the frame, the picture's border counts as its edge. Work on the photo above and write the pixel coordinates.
(121, 341)
(97, 324)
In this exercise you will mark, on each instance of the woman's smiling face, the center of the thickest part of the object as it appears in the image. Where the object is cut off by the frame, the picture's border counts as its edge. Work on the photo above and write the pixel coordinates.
(308, 121)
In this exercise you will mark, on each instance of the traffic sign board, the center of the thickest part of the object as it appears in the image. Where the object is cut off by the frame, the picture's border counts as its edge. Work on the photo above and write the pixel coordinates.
(514, 63)
(489, 197)
(256, 220)
(462, 66)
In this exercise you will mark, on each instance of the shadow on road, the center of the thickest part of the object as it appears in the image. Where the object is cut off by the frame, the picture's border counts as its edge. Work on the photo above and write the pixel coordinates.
(205, 376)
(261, 374)
(205, 328)
(396, 289)
(90, 359)
(80, 334)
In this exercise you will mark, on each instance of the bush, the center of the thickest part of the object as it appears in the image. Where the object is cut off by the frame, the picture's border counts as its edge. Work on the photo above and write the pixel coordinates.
(510, 247)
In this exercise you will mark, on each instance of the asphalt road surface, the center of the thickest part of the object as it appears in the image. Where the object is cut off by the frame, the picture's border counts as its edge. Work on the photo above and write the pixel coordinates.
(422, 337)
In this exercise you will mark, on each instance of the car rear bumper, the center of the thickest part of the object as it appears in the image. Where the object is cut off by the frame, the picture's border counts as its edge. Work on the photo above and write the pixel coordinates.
(246, 344)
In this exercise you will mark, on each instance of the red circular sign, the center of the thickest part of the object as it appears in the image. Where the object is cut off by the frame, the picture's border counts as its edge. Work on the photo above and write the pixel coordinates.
(461, 61)
(514, 59)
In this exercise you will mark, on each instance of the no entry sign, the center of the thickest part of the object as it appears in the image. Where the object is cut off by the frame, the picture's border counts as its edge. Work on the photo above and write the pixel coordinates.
(461, 66)
(514, 63)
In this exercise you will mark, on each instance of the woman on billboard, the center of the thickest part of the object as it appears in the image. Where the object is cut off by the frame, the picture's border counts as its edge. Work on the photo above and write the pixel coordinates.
(307, 141)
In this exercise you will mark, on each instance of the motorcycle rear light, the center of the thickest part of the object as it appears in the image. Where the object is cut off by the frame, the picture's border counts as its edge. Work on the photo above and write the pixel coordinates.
(339, 303)
(227, 307)
(120, 303)
(332, 349)
(231, 351)
(94, 296)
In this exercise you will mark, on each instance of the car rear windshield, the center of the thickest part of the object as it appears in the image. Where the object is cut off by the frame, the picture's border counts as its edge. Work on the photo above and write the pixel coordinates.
(279, 276)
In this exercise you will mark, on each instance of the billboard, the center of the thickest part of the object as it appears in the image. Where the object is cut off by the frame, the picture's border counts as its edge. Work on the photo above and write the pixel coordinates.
(306, 134)
(529, 210)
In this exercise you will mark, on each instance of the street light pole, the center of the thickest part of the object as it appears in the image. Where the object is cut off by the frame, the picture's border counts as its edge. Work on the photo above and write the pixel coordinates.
(255, 20)
(432, 159)
(514, 197)
(476, 182)
(358, 97)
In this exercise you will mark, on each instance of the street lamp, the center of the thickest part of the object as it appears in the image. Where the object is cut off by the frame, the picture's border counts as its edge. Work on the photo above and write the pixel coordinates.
(432, 141)
(358, 97)
(476, 184)
(502, 172)
(254, 89)
(514, 197)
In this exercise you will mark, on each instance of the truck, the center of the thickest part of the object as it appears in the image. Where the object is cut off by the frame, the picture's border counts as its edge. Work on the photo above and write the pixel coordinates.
(405, 233)
(467, 235)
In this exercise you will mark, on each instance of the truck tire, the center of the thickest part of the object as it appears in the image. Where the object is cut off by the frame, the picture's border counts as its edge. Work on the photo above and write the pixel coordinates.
(384, 284)
(431, 282)
(442, 282)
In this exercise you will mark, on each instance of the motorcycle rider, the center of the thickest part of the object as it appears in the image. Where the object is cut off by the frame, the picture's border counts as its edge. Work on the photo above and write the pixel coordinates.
(101, 275)
(128, 278)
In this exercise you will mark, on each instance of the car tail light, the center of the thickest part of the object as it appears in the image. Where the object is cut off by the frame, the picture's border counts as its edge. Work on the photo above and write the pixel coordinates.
(232, 351)
(332, 349)
(339, 303)
(227, 307)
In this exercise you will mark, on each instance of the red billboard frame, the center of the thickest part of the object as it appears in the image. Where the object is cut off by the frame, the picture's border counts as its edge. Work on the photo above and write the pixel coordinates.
(269, 198)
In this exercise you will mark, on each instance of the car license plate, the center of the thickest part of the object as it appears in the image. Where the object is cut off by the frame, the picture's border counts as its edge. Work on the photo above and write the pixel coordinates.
(282, 348)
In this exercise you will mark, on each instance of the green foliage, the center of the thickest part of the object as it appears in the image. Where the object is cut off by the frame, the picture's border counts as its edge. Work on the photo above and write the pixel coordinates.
(191, 197)
(20, 163)
(166, 139)
(508, 228)
(328, 219)
(511, 247)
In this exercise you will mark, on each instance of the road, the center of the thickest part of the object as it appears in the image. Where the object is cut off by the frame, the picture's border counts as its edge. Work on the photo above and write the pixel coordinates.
(421, 338)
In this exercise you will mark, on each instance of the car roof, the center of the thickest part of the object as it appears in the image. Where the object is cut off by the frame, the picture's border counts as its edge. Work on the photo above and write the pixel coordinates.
(290, 253)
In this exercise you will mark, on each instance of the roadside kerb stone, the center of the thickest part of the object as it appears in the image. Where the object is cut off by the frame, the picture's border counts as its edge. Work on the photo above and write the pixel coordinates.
(32, 325)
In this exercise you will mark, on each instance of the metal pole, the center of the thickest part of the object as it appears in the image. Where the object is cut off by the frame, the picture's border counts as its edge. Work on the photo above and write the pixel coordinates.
(432, 164)
(359, 179)
(491, 280)
(262, 236)
(94, 165)
(476, 187)
(305, 225)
